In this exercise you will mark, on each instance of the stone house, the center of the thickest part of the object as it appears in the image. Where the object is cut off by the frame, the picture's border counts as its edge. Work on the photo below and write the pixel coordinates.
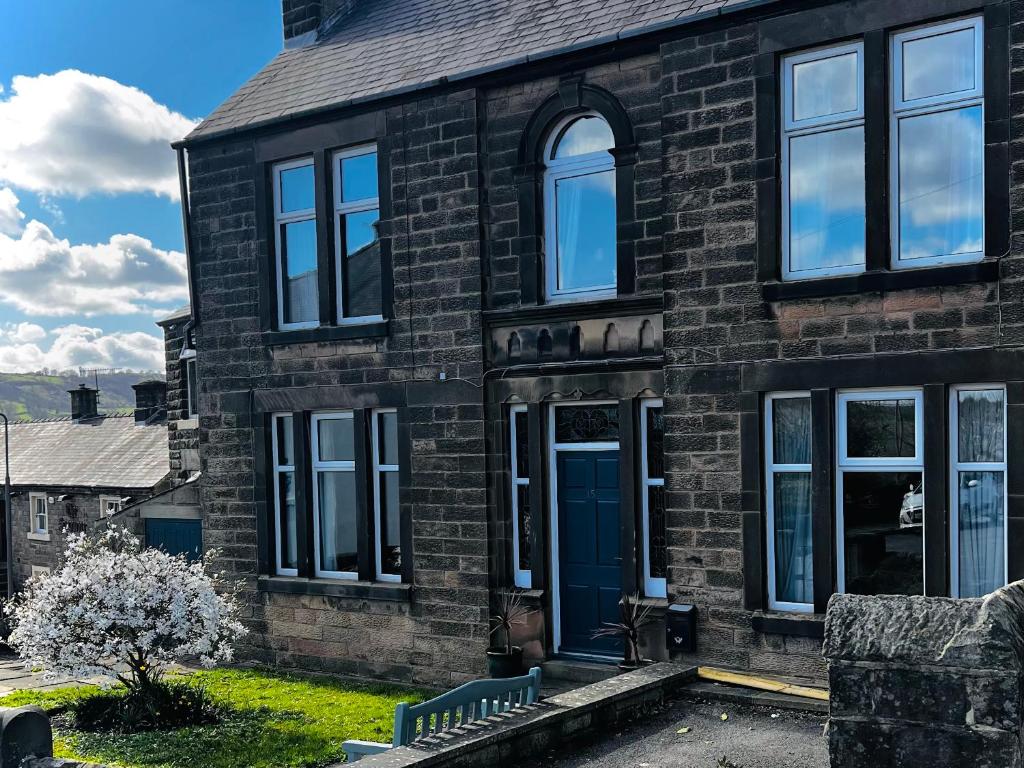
(72, 473)
(715, 302)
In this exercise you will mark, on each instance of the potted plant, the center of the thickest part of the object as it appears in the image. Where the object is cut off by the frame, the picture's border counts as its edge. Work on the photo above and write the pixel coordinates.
(507, 660)
(633, 617)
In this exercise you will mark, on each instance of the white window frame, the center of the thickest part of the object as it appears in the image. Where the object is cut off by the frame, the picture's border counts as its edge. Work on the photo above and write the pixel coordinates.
(191, 398)
(771, 469)
(795, 129)
(319, 466)
(105, 500)
(342, 208)
(559, 170)
(900, 109)
(522, 578)
(846, 464)
(956, 467)
(653, 587)
(34, 532)
(278, 470)
(379, 470)
(291, 217)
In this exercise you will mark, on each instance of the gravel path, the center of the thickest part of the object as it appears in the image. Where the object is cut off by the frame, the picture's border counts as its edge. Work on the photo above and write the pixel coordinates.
(751, 737)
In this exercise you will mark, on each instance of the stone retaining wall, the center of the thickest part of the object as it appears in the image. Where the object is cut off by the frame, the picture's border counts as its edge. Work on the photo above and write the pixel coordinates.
(926, 680)
(523, 737)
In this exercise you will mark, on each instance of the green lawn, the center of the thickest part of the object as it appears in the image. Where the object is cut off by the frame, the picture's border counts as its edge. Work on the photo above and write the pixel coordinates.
(278, 721)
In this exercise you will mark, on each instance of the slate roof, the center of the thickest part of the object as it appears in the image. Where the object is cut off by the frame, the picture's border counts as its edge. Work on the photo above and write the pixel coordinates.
(105, 452)
(179, 314)
(386, 47)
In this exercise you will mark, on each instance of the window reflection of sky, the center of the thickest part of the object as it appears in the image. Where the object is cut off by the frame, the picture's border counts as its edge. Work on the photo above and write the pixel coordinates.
(938, 64)
(586, 231)
(586, 135)
(827, 210)
(941, 183)
(297, 189)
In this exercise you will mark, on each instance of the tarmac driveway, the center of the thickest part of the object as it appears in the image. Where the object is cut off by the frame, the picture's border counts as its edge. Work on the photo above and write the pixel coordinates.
(750, 737)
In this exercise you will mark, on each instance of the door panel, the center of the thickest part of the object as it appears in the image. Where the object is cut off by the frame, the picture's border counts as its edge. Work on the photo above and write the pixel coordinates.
(176, 537)
(590, 561)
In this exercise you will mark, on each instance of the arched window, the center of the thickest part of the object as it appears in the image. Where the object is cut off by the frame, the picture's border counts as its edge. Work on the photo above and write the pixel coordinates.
(579, 210)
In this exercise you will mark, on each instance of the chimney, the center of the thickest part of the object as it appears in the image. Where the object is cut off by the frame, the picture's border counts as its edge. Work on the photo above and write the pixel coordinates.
(301, 19)
(83, 402)
(150, 399)
(304, 18)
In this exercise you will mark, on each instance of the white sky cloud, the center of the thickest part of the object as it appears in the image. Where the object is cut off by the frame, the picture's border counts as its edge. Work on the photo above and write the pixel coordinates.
(45, 276)
(75, 133)
(10, 215)
(73, 346)
(22, 332)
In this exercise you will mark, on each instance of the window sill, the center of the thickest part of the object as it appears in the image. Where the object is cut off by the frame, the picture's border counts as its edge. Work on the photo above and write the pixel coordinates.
(389, 591)
(793, 624)
(371, 330)
(576, 310)
(38, 537)
(881, 280)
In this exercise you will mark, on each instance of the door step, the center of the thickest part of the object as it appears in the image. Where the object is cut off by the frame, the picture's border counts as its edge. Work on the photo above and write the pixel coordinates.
(558, 675)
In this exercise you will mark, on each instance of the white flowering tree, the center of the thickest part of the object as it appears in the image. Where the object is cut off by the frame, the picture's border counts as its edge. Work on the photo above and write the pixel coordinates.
(121, 611)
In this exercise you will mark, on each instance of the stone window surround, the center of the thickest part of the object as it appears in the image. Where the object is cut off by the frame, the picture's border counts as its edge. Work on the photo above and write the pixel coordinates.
(629, 389)
(35, 534)
(104, 499)
(933, 372)
(304, 581)
(872, 22)
(574, 97)
(321, 142)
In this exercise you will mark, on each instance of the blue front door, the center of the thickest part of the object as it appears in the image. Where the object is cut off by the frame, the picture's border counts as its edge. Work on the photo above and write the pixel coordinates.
(176, 537)
(590, 560)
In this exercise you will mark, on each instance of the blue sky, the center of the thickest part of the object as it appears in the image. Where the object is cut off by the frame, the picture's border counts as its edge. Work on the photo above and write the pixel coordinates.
(92, 93)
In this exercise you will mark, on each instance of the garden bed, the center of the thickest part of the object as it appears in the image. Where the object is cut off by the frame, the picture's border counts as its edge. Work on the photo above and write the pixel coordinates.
(269, 721)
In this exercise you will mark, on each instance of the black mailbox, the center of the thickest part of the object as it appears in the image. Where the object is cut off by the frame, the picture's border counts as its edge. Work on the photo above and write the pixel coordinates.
(681, 628)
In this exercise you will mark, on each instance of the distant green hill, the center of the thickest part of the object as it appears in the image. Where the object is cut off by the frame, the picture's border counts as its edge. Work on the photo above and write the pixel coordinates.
(39, 395)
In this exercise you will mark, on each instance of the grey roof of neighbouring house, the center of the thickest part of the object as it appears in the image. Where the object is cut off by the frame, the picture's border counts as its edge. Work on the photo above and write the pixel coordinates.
(386, 47)
(179, 314)
(109, 451)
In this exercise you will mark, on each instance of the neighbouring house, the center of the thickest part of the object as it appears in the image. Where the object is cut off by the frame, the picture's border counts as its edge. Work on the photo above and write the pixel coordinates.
(171, 518)
(716, 302)
(71, 473)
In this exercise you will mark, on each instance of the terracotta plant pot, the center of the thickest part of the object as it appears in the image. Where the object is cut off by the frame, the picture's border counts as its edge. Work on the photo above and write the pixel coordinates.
(501, 664)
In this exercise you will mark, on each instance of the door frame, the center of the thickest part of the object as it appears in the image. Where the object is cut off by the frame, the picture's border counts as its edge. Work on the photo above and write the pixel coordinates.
(553, 449)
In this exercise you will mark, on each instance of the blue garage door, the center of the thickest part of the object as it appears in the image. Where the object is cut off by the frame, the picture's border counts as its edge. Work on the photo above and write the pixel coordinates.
(176, 537)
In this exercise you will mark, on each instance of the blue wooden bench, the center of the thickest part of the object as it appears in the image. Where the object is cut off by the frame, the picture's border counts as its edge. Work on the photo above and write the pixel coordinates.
(466, 704)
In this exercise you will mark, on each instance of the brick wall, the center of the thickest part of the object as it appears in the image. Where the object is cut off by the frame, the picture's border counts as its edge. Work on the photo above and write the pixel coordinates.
(715, 320)
(439, 637)
(635, 83)
(76, 513)
(300, 16)
(182, 432)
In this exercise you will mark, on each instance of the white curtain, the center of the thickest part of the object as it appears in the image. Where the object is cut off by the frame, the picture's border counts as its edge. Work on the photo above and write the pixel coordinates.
(793, 561)
(337, 521)
(570, 216)
(794, 569)
(981, 524)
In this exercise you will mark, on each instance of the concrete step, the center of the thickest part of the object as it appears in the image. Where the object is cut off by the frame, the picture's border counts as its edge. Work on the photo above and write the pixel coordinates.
(565, 674)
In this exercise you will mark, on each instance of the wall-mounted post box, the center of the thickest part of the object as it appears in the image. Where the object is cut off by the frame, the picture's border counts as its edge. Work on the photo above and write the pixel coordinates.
(681, 628)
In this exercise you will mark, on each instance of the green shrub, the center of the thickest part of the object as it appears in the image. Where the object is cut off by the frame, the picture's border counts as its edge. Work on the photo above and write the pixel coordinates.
(167, 705)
